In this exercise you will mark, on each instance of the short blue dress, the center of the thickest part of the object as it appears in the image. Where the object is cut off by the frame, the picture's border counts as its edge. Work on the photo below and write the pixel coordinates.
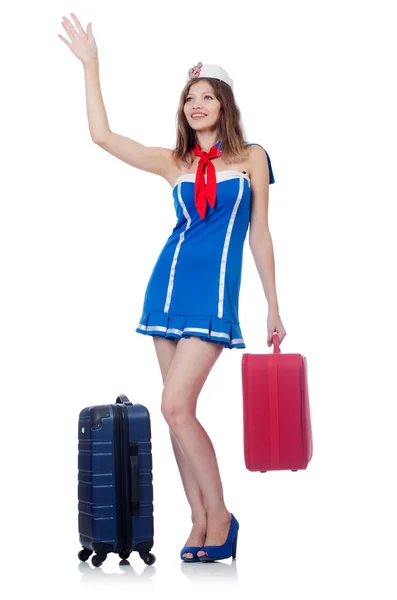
(195, 284)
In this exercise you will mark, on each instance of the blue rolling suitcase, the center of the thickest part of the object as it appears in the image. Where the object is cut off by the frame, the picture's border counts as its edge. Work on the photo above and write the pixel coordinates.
(115, 483)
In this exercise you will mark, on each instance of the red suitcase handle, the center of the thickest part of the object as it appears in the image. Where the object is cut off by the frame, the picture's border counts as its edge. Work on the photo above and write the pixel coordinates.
(276, 343)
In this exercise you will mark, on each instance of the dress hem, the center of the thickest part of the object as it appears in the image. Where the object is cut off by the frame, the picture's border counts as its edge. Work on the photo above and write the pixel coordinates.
(207, 328)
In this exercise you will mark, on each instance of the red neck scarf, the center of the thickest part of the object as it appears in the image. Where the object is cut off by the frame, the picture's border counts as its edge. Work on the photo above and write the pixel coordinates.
(202, 190)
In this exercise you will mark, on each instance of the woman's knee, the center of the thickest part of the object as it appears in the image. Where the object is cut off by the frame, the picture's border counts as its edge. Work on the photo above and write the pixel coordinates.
(176, 410)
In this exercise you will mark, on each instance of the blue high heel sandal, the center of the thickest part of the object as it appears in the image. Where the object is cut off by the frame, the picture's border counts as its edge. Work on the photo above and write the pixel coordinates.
(229, 548)
(193, 550)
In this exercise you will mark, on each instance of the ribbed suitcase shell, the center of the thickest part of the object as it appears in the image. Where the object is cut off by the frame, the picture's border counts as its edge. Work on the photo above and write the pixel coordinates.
(276, 412)
(115, 488)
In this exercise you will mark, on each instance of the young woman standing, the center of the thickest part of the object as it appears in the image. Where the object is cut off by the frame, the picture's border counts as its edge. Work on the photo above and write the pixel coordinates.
(193, 291)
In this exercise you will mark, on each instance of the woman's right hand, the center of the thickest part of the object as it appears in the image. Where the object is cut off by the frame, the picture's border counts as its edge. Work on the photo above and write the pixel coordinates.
(83, 44)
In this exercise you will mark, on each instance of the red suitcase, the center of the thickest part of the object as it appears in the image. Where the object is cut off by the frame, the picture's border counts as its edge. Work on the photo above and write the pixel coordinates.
(276, 412)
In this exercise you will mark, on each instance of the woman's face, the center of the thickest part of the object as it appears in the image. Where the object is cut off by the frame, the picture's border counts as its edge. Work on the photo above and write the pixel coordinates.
(201, 100)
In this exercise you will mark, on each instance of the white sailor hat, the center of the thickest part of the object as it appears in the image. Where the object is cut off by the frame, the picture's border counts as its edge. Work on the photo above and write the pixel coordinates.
(213, 71)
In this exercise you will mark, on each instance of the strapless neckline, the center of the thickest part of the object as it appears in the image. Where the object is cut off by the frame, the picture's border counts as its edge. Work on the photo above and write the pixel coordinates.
(222, 175)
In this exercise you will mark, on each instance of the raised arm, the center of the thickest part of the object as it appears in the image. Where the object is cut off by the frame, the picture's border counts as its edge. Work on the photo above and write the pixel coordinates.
(153, 159)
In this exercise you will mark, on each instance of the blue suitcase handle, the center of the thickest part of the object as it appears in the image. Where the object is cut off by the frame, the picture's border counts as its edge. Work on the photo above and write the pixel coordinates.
(122, 399)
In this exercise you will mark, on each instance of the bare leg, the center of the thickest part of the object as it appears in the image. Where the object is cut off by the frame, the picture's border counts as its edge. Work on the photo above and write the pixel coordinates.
(190, 367)
(165, 350)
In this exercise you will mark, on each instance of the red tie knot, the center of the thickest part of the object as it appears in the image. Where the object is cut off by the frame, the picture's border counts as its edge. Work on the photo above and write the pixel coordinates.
(213, 152)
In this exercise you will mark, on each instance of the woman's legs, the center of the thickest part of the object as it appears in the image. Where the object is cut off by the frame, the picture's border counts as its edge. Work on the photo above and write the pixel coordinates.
(165, 350)
(191, 364)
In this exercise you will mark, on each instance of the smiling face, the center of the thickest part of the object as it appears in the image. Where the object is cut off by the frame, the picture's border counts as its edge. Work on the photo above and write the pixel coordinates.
(201, 100)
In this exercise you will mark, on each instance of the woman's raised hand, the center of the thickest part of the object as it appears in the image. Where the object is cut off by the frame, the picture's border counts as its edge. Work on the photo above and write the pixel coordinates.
(83, 44)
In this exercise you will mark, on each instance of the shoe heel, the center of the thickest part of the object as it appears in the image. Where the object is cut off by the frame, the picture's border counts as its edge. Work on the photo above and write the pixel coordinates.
(234, 547)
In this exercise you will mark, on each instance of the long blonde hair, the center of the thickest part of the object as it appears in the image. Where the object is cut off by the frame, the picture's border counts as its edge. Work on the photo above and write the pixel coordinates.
(230, 129)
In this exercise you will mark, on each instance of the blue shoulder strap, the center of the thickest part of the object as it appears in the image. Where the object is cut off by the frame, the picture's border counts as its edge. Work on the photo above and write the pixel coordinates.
(271, 180)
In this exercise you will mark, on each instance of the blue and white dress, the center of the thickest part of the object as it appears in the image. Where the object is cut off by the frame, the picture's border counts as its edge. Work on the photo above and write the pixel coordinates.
(195, 284)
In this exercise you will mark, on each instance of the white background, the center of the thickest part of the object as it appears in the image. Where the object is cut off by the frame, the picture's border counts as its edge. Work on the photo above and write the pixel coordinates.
(81, 231)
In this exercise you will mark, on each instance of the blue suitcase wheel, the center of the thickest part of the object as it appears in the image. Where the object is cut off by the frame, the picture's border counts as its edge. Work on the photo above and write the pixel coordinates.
(98, 559)
(124, 555)
(147, 557)
(84, 554)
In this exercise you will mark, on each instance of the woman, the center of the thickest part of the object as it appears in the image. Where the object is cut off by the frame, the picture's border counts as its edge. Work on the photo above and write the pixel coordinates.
(192, 294)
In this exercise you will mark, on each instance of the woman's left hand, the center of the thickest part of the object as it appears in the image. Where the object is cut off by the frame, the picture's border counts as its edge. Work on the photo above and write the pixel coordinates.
(274, 324)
